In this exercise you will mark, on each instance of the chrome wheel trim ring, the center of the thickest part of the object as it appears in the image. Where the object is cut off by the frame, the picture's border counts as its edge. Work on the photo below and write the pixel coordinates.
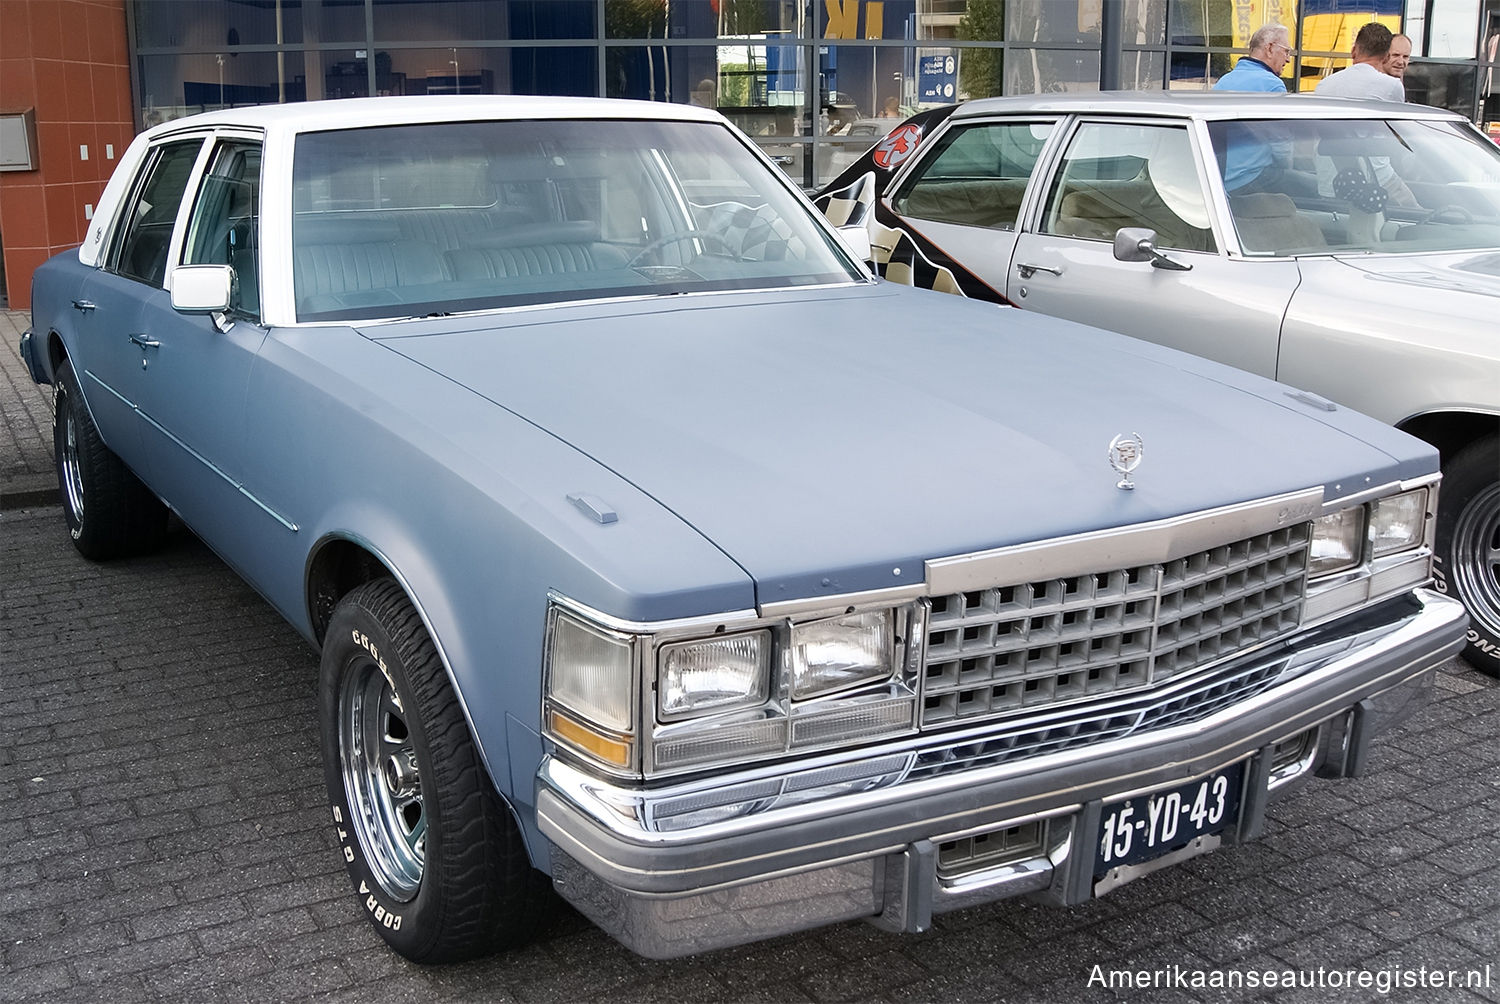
(381, 781)
(1476, 557)
(72, 474)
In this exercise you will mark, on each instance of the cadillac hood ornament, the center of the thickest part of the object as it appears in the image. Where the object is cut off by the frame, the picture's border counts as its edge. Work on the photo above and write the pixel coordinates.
(1125, 454)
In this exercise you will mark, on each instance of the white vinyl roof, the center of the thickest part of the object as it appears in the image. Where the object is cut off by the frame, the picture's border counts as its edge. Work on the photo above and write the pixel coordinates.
(357, 113)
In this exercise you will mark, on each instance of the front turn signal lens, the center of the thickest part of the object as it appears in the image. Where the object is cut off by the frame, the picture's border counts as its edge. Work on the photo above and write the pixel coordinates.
(609, 749)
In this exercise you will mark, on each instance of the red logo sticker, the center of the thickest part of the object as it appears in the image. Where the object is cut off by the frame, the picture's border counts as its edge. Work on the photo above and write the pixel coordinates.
(896, 147)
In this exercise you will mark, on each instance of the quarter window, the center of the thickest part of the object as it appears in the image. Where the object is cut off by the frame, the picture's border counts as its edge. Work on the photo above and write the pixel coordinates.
(147, 237)
(976, 176)
(1127, 175)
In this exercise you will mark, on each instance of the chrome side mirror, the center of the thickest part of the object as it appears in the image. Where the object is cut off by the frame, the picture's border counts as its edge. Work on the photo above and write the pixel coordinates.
(204, 289)
(1139, 244)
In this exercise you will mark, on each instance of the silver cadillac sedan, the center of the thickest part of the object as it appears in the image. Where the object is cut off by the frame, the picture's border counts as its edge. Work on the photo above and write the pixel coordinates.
(1350, 248)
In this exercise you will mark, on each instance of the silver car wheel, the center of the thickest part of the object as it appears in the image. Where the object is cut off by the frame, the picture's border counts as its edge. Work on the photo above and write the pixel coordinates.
(72, 475)
(382, 780)
(1476, 554)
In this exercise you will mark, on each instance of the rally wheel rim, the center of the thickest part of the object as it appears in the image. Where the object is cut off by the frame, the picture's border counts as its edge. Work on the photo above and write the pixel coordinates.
(381, 778)
(1476, 557)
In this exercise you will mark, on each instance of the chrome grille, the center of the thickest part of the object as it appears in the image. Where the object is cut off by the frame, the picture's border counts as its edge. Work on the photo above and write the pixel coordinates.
(1111, 718)
(1032, 645)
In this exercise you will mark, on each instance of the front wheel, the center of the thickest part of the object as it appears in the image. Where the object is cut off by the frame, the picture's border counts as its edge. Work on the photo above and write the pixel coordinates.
(434, 855)
(1468, 546)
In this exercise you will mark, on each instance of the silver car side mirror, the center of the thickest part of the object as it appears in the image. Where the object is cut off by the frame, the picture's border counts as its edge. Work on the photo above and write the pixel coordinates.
(1139, 244)
(204, 289)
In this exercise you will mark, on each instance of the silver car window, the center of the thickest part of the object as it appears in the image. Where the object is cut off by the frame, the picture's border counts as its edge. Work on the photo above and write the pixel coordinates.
(976, 175)
(1117, 175)
(419, 219)
(1363, 186)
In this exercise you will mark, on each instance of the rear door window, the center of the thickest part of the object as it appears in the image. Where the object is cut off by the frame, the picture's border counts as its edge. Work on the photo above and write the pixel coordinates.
(146, 238)
(976, 175)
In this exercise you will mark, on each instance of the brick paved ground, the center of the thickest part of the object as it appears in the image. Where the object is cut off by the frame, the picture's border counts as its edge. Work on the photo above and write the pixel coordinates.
(163, 816)
(26, 475)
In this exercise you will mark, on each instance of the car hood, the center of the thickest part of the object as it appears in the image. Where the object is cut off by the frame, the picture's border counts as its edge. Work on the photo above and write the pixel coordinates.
(829, 441)
(1465, 271)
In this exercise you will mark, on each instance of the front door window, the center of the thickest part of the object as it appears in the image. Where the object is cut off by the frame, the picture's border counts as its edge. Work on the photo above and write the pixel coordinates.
(225, 226)
(1117, 175)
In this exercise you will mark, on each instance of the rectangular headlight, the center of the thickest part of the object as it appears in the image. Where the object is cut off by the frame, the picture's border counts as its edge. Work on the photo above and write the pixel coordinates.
(841, 652)
(718, 674)
(1337, 540)
(1397, 523)
(591, 672)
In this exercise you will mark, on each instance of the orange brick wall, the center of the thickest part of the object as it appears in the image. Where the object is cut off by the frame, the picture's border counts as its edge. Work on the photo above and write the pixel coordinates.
(70, 60)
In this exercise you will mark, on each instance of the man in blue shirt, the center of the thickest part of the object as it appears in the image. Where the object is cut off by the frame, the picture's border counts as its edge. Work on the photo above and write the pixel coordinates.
(1270, 48)
(1249, 155)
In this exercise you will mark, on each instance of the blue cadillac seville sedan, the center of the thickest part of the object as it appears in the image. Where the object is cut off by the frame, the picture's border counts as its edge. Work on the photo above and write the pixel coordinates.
(661, 558)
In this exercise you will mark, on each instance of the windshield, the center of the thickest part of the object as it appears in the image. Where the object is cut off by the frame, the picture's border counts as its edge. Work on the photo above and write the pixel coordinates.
(430, 219)
(1340, 186)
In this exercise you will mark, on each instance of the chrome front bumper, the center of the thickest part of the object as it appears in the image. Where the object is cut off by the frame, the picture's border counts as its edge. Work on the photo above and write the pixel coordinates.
(768, 851)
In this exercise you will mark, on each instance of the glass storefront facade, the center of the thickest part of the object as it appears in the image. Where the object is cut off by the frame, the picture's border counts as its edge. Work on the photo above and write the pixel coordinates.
(810, 80)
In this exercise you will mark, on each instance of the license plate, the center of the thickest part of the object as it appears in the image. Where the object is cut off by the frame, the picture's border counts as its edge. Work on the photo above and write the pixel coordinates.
(1147, 826)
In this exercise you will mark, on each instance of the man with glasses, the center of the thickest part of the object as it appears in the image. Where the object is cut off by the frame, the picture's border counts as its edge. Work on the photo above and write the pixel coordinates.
(1256, 157)
(1270, 48)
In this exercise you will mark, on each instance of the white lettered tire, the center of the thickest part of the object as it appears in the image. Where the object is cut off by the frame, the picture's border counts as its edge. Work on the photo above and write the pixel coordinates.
(1468, 546)
(435, 856)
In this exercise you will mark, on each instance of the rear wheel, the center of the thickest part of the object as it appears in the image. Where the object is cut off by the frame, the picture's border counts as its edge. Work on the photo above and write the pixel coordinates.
(1468, 546)
(109, 512)
(434, 854)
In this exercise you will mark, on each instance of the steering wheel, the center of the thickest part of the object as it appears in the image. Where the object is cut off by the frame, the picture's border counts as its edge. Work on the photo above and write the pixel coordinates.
(678, 238)
(1451, 213)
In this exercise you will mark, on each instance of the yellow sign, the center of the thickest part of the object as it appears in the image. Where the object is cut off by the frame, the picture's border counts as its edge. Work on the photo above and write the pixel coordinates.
(843, 19)
(1335, 33)
(1250, 15)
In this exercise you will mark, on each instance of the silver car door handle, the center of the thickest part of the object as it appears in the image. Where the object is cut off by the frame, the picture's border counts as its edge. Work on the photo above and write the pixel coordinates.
(145, 342)
(1027, 271)
(84, 305)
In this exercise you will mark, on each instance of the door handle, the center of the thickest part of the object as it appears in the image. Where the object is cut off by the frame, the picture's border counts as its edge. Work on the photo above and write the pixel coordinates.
(1027, 271)
(84, 305)
(145, 341)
